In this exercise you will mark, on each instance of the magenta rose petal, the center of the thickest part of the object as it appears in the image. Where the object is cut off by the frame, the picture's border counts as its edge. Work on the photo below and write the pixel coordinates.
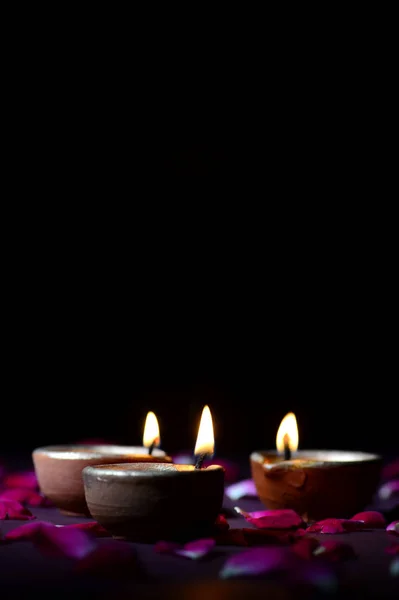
(334, 551)
(335, 526)
(242, 489)
(54, 540)
(389, 489)
(257, 561)
(196, 549)
(112, 559)
(163, 547)
(90, 527)
(11, 509)
(305, 547)
(25, 496)
(393, 528)
(394, 567)
(274, 519)
(22, 479)
(371, 518)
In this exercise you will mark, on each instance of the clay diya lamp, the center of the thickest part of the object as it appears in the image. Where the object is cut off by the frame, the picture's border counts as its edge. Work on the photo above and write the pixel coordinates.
(317, 484)
(59, 468)
(148, 502)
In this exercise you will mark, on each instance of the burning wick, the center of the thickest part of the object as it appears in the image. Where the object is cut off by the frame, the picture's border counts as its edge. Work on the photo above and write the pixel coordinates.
(200, 460)
(151, 448)
(287, 451)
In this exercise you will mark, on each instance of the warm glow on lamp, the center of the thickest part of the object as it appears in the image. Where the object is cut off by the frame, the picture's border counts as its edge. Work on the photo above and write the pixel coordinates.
(151, 435)
(205, 440)
(287, 434)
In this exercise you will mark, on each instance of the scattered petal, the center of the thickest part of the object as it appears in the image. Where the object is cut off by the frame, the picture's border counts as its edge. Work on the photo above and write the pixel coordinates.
(52, 540)
(194, 550)
(259, 561)
(112, 559)
(334, 551)
(197, 549)
(394, 549)
(335, 526)
(242, 489)
(11, 509)
(90, 527)
(388, 489)
(305, 547)
(221, 523)
(285, 518)
(22, 479)
(391, 470)
(393, 527)
(394, 567)
(25, 496)
(370, 518)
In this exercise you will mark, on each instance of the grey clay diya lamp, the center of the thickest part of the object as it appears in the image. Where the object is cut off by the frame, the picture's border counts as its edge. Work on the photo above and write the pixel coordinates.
(317, 484)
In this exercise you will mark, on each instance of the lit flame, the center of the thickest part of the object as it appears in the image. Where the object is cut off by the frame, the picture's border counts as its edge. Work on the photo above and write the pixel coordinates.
(205, 440)
(151, 431)
(287, 432)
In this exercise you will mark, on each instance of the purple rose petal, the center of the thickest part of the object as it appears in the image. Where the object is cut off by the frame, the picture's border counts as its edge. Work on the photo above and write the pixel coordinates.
(91, 527)
(391, 470)
(388, 489)
(112, 559)
(194, 550)
(242, 489)
(22, 479)
(11, 509)
(53, 540)
(25, 496)
(257, 561)
(371, 518)
(393, 527)
(394, 567)
(273, 519)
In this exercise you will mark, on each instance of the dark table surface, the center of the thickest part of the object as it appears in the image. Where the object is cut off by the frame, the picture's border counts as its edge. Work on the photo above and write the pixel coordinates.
(25, 572)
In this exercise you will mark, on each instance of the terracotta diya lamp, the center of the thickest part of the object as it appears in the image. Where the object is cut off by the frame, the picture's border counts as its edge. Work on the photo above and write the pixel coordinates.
(59, 468)
(149, 502)
(317, 484)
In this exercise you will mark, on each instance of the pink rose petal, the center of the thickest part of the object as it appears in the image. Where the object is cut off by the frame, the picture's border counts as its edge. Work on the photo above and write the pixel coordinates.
(273, 519)
(334, 551)
(388, 489)
(394, 549)
(11, 509)
(370, 518)
(53, 540)
(91, 527)
(112, 559)
(391, 470)
(242, 489)
(305, 547)
(194, 550)
(22, 479)
(25, 496)
(393, 527)
(394, 567)
(335, 526)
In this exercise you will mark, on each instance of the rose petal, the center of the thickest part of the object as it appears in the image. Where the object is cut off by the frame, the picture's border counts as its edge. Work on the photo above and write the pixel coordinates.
(273, 519)
(334, 551)
(197, 549)
(163, 547)
(335, 526)
(393, 527)
(394, 567)
(53, 540)
(242, 489)
(370, 518)
(112, 559)
(22, 479)
(25, 496)
(305, 547)
(232, 537)
(391, 470)
(11, 509)
(388, 489)
(90, 527)
(394, 549)
(259, 561)
(221, 523)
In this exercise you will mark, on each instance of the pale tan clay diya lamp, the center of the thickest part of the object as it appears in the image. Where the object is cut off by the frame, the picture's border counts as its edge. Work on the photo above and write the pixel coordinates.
(149, 502)
(317, 484)
(59, 468)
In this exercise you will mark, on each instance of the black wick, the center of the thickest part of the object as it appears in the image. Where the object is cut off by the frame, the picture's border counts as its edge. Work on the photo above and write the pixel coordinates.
(200, 460)
(287, 451)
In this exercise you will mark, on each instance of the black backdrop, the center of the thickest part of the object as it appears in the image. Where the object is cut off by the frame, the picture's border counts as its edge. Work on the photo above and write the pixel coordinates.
(199, 280)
